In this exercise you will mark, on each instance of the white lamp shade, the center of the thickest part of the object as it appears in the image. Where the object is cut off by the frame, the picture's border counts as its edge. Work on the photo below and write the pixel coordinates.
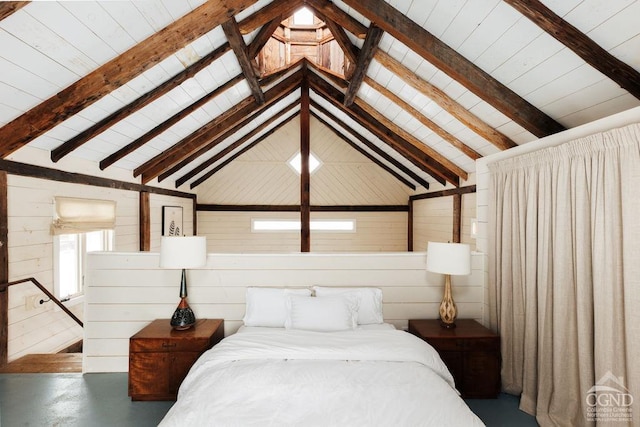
(449, 258)
(183, 252)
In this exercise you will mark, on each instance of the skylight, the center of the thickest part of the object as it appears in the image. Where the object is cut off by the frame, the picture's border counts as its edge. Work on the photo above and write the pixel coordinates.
(303, 17)
(296, 163)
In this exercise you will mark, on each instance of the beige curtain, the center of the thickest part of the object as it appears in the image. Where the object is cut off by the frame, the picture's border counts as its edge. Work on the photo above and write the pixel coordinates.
(73, 215)
(564, 273)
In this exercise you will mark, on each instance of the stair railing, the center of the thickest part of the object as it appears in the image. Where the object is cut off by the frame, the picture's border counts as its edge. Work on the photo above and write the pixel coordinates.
(5, 286)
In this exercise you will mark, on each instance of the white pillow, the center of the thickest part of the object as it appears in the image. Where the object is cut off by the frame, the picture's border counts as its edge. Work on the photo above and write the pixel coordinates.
(327, 314)
(369, 302)
(267, 307)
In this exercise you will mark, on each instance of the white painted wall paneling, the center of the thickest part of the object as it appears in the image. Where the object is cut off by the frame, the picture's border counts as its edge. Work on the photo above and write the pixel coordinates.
(125, 291)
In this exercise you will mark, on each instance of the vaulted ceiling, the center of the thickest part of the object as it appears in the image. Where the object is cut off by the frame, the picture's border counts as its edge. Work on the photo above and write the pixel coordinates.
(175, 90)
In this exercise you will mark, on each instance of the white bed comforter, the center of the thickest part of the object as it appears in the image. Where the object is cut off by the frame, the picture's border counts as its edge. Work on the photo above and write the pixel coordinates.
(299, 378)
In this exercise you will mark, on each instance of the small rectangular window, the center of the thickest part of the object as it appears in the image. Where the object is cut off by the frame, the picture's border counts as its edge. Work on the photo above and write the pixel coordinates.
(327, 225)
(69, 257)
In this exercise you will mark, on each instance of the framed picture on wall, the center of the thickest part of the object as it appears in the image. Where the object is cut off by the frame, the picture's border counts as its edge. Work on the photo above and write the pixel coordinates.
(172, 221)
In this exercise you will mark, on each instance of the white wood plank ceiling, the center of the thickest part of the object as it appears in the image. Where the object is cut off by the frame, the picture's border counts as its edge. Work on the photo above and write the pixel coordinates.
(46, 46)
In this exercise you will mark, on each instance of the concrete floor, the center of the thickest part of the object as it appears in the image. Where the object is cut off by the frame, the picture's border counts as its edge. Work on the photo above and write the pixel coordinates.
(100, 400)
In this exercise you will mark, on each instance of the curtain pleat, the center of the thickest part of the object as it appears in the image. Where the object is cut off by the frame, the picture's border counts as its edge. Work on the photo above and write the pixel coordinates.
(564, 271)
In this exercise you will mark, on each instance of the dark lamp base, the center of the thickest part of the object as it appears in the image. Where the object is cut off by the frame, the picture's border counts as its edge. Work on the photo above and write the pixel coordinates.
(183, 318)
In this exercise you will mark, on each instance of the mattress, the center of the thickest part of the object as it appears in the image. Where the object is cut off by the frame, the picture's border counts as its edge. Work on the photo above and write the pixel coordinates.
(278, 377)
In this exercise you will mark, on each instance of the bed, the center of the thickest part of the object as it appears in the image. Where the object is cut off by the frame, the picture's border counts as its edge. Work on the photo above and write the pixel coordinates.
(319, 373)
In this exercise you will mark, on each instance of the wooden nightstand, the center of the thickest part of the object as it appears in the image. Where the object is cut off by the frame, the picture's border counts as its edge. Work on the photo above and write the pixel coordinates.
(470, 351)
(160, 358)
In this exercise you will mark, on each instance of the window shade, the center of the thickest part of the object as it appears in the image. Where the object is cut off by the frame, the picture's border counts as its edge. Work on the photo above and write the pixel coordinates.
(74, 215)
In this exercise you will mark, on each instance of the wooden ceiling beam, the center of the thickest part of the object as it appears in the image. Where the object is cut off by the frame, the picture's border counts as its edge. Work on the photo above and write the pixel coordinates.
(443, 161)
(234, 145)
(268, 13)
(468, 151)
(350, 51)
(209, 174)
(116, 72)
(8, 8)
(218, 139)
(263, 37)
(371, 146)
(444, 101)
(369, 48)
(232, 31)
(137, 104)
(411, 152)
(365, 153)
(206, 133)
(166, 124)
(330, 11)
(398, 130)
(592, 53)
(429, 47)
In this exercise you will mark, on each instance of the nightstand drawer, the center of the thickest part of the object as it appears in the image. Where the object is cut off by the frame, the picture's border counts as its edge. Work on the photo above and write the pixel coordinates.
(470, 351)
(153, 345)
(160, 358)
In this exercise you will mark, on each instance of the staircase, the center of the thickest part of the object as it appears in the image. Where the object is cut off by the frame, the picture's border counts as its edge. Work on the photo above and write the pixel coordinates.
(67, 361)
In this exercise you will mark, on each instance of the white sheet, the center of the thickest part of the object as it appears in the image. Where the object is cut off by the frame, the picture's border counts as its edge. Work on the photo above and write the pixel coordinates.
(288, 377)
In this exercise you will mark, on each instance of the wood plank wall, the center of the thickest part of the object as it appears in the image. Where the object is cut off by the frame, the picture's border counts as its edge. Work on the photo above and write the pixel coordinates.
(230, 232)
(30, 250)
(125, 291)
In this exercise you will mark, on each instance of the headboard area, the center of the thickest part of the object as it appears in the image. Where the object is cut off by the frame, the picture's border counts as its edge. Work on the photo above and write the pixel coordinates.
(126, 291)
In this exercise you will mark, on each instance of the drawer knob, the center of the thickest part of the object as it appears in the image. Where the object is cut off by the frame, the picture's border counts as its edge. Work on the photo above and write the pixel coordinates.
(167, 345)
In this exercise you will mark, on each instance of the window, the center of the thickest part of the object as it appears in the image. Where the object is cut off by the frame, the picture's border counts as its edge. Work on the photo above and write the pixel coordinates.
(296, 163)
(69, 257)
(303, 16)
(328, 225)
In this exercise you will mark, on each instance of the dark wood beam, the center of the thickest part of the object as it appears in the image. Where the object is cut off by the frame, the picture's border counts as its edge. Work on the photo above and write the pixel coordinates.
(8, 8)
(401, 132)
(410, 227)
(305, 181)
(456, 66)
(365, 153)
(142, 101)
(444, 193)
(470, 152)
(182, 149)
(268, 13)
(236, 41)
(4, 268)
(166, 124)
(263, 36)
(415, 156)
(209, 146)
(41, 172)
(296, 208)
(374, 34)
(234, 145)
(371, 146)
(144, 212)
(116, 72)
(397, 130)
(592, 53)
(444, 101)
(277, 74)
(457, 217)
(350, 50)
(234, 156)
(330, 11)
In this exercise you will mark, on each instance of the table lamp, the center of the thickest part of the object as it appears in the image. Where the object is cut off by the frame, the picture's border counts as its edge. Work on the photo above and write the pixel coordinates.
(181, 252)
(448, 259)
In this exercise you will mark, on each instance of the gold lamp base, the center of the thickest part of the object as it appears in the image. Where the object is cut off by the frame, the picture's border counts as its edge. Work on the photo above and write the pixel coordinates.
(448, 310)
